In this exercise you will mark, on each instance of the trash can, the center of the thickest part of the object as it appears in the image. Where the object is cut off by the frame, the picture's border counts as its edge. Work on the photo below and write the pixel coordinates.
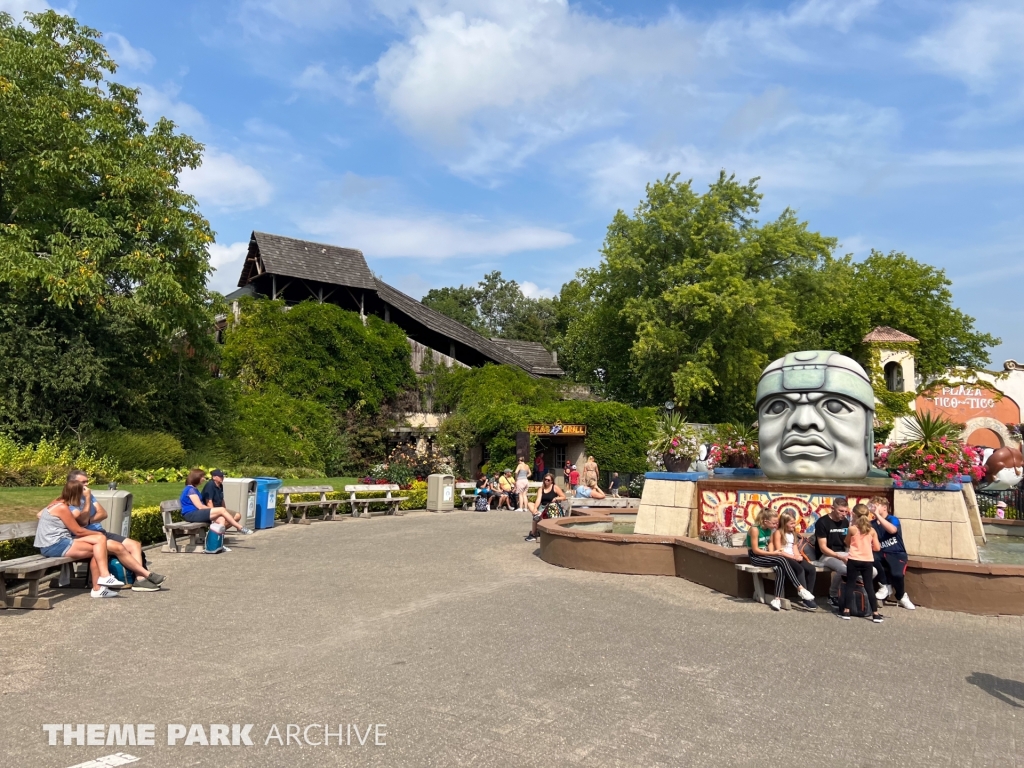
(240, 498)
(266, 501)
(440, 493)
(119, 511)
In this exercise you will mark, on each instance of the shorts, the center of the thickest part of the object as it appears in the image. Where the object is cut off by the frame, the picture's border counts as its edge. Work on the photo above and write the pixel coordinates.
(522, 486)
(196, 516)
(58, 549)
(110, 536)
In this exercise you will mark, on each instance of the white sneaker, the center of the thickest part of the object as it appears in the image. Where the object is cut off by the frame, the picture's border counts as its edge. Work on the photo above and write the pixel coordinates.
(882, 593)
(905, 602)
(109, 581)
(103, 592)
(776, 604)
(805, 594)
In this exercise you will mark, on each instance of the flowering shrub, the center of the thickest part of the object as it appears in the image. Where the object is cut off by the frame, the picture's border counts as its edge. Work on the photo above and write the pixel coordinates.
(737, 447)
(932, 456)
(674, 438)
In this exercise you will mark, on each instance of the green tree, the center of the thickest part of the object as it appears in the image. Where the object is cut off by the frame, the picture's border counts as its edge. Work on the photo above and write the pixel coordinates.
(103, 264)
(319, 352)
(840, 302)
(459, 304)
(689, 302)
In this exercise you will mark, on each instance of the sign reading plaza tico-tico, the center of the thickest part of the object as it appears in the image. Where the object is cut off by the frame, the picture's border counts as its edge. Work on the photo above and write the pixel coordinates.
(576, 430)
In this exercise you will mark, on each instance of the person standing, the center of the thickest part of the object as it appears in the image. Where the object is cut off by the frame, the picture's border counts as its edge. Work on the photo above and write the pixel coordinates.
(590, 472)
(522, 484)
(538, 467)
(566, 471)
(574, 478)
(614, 485)
(862, 543)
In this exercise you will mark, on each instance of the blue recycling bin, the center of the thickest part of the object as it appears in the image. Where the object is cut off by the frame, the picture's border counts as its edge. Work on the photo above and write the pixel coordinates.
(266, 501)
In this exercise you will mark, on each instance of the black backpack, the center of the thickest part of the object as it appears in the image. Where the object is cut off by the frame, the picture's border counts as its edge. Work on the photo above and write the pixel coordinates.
(861, 607)
(480, 503)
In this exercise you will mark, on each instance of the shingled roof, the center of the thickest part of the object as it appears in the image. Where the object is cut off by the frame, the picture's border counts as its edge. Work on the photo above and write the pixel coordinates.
(537, 358)
(885, 333)
(444, 325)
(275, 254)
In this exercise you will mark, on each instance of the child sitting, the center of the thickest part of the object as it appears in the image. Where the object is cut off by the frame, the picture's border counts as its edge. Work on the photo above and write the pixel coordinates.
(785, 542)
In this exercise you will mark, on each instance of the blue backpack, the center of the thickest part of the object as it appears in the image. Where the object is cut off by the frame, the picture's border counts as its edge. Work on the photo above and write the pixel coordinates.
(214, 539)
(119, 572)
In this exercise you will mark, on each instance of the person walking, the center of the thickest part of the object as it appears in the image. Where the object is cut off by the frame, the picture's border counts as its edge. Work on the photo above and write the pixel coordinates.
(522, 484)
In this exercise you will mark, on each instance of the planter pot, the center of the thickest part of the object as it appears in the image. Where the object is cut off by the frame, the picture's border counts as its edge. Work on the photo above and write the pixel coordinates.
(913, 485)
(676, 463)
(738, 472)
(738, 462)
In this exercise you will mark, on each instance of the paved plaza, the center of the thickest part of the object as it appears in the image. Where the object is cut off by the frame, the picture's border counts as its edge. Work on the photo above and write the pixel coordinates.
(450, 631)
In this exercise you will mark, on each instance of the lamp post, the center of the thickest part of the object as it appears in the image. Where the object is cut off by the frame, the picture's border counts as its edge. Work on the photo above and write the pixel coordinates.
(669, 407)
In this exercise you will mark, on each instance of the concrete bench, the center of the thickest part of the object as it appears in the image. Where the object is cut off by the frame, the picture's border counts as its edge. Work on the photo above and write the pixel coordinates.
(608, 502)
(467, 494)
(329, 507)
(759, 572)
(172, 530)
(364, 502)
(31, 569)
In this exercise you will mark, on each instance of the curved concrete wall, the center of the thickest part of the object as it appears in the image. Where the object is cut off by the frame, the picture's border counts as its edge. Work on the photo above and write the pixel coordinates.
(946, 585)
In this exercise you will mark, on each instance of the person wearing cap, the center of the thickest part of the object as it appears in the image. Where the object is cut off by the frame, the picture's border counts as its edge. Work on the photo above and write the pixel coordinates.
(574, 477)
(815, 414)
(508, 488)
(213, 492)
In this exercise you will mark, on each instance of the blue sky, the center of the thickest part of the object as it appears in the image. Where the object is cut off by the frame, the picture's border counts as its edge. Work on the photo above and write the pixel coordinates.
(447, 138)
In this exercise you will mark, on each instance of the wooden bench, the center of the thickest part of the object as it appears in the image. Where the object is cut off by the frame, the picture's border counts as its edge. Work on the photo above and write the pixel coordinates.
(329, 507)
(172, 530)
(356, 502)
(31, 569)
(759, 572)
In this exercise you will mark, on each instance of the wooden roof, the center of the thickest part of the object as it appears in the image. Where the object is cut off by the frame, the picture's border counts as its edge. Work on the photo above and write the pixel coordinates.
(885, 333)
(534, 354)
(290, 257)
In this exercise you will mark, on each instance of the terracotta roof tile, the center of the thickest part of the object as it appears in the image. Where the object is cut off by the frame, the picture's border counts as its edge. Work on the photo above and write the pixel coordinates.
(885, 333)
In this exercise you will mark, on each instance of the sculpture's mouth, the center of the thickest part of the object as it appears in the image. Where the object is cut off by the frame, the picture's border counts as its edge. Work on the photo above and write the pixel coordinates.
(806, 447)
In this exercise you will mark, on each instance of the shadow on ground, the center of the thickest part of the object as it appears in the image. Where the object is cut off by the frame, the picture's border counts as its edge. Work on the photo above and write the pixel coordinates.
(1008, 691)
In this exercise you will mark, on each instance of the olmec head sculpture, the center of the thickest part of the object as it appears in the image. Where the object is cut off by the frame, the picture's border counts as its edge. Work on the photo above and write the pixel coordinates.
(815, 414)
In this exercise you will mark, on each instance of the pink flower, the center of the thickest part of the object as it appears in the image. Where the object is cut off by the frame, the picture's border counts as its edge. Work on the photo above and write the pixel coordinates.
(931, 467)
(920, 471)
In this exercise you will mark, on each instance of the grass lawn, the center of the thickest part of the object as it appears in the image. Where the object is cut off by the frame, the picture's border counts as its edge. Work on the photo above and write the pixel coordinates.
(17, 504)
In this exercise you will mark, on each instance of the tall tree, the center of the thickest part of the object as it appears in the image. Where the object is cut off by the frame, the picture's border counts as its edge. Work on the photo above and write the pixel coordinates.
(688, 302)
(103, 259)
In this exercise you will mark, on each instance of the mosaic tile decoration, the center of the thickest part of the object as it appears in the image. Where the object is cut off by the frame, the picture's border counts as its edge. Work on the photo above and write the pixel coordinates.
(737, 510)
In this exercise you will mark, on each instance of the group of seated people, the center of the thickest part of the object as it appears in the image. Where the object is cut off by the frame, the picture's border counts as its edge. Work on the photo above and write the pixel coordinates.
(865, 543)
(71, 526)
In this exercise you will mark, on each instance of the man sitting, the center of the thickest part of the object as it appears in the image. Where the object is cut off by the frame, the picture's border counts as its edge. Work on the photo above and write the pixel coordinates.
(213, 492)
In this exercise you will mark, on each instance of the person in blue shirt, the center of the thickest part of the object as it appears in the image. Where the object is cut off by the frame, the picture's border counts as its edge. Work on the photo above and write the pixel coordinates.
(891, 559)
(195, 510)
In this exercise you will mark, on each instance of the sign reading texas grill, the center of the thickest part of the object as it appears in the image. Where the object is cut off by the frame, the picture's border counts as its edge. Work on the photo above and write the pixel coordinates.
(961, 403)
(557, 429)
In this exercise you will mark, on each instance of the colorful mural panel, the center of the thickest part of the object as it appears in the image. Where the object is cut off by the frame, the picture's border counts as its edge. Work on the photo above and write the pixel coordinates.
(737, 510)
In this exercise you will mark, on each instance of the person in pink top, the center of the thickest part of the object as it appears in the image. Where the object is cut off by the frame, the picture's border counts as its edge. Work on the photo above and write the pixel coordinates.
(861, 544)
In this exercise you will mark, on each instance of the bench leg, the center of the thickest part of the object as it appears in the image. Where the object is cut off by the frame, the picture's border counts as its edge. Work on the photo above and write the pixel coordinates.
(32, 601)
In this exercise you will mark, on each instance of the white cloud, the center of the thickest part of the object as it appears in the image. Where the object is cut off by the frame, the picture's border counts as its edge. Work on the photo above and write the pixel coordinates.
(533, 291)
(497, 78)
(981, 43)
(225, 255)
(274, 19)
(158, 102)
(19, 7)
(224, 181)
(432, 237)
(342, 85)
(127, 55)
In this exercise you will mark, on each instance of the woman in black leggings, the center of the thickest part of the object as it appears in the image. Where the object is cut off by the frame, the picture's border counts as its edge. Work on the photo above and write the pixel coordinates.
(758, 538)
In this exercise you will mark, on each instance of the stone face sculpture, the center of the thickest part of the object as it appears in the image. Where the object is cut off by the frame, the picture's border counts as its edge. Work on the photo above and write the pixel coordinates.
(1004, 469)
(815, 413)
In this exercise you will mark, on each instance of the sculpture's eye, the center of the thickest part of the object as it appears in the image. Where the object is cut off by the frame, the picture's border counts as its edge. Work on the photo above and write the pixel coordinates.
(837, 407)
(777, 407)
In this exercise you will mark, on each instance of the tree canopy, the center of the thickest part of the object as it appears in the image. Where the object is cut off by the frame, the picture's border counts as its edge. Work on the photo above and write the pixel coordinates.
(693, 297)
(105, 314)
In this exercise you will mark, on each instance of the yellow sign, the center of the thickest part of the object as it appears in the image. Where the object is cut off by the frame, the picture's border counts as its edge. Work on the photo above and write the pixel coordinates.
(575, 430)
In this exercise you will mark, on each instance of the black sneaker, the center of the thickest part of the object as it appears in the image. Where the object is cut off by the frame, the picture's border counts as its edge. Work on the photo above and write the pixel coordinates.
(810, 605)
(531, 537)
(877, 618)
(844, 616)
(833, 601)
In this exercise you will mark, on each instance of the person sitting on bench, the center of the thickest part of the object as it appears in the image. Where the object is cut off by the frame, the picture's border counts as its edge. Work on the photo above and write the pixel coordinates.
(58, 534)
(589, 491)
(194, 510)
(548, 495)
(92, 514)
(758, 537)
(830, 536)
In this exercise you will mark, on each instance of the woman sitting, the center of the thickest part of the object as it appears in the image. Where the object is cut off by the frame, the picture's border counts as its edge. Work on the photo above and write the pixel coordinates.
(758, 537)
(545, 505)
(589, 491)
(58, 534)
(195, 510)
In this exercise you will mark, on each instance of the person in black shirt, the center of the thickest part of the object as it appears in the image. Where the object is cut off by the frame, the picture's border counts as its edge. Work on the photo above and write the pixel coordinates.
(213, 491)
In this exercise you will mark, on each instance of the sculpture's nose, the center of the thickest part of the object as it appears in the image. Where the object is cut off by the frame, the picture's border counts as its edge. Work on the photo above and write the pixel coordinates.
(807, 417)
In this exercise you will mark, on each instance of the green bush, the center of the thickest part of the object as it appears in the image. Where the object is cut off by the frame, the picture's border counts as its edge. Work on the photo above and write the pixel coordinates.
(138, 450)
(48, 463)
